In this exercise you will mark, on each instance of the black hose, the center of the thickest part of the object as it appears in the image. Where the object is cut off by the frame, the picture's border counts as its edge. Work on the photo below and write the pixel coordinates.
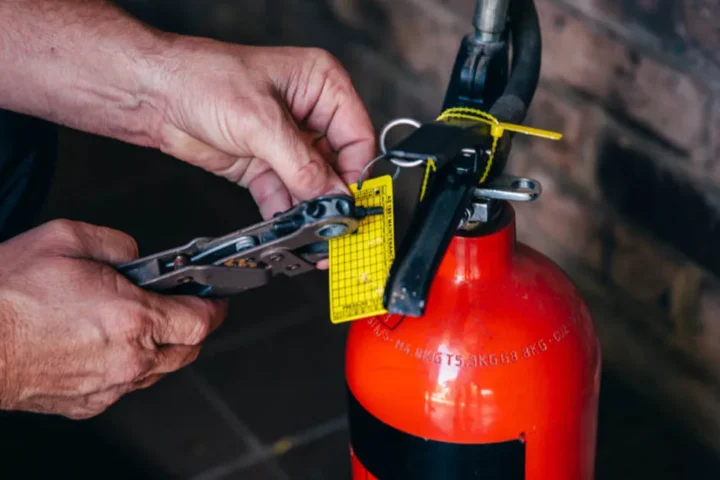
(513, 104)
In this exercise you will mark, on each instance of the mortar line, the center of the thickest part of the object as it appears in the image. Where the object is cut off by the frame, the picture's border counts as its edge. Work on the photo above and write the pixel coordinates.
(280, 447)
(213, 397)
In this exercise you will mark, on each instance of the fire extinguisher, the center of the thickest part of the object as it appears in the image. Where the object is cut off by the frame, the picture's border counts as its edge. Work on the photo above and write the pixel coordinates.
(487, 364)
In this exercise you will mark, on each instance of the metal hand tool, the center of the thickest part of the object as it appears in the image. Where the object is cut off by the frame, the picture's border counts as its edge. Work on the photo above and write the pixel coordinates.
(291, 243)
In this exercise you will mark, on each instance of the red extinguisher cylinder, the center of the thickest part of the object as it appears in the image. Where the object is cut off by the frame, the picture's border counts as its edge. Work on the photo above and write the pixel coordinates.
(498, 379)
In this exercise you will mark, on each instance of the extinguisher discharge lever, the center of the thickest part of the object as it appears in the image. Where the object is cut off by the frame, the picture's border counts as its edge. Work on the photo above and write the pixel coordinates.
(453, 201)
(460, 152)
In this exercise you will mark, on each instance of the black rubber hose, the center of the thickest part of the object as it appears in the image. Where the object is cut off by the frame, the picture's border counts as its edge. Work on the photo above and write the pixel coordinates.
(513, 104)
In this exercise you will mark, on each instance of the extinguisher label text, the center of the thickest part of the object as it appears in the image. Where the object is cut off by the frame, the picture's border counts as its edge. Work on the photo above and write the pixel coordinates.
(469, 360)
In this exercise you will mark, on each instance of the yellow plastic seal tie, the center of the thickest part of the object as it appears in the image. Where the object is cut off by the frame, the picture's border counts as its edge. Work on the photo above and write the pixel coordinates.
(429, 166)
(466, 113)
(497, 129)
(536, 132)
(360, 262)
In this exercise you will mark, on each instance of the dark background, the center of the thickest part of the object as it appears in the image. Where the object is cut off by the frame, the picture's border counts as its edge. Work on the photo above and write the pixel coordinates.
(265, 400)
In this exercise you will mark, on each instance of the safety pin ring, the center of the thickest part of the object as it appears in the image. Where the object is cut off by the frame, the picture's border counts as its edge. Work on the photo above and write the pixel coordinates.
(390, 125)
(383, 147)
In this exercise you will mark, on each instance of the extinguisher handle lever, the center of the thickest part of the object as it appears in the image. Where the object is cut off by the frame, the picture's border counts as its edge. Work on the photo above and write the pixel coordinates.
(438, 215)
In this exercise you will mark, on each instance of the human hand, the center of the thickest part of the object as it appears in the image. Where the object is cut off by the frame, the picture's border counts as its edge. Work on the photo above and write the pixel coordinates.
(249, 114)
(246, 113)
(74, 334)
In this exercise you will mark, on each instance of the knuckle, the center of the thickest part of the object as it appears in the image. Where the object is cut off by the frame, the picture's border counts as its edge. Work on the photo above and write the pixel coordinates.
(96, 411)
(323, 58)
(125, 317)
(273, 118)
(259, 118)
(332, 70)
(80, 413)
(64, 231)
(120, 241)
(133, 368)
(108, 399)
(192, 356)
(200, 331)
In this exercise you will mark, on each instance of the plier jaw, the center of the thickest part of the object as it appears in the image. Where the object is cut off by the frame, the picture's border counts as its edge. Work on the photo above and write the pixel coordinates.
(291, 243)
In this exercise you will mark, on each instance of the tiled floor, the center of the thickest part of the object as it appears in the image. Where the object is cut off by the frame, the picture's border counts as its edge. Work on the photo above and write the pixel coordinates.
(265, 399)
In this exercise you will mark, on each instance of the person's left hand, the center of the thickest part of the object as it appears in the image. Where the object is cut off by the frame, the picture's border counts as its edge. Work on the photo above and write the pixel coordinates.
(250, 114)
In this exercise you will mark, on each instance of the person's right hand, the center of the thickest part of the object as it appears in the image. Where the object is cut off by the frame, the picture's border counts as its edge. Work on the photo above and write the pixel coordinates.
(74, 334)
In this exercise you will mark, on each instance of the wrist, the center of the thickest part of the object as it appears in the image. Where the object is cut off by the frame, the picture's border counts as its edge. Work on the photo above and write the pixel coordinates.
(174, 70)
(148, 77)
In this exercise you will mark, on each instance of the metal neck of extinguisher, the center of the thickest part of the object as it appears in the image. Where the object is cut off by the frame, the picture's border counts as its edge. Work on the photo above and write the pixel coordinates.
(484, 78)
(480, 74)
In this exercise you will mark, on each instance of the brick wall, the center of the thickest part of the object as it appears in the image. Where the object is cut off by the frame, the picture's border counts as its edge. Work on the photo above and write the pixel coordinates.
(630, 206)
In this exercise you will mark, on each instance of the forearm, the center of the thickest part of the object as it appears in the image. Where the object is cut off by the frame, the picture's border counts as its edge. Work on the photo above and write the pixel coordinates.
(81, 63)
(5, 347)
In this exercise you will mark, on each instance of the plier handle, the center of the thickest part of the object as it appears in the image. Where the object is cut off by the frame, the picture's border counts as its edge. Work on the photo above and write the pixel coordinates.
(291, 243)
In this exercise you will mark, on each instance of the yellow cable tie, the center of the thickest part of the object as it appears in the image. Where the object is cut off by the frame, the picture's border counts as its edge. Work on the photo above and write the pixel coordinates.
(531, 131)
(497, 130)
(430, 166)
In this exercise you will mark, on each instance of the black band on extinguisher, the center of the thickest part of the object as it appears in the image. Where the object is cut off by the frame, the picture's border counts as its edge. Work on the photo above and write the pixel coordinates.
(390, 454)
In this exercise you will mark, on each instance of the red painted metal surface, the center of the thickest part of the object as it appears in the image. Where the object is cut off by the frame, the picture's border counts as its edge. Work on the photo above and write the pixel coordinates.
(505, 350)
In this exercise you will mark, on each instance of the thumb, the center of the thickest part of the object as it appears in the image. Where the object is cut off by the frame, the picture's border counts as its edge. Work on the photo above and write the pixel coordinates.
(108, 245)
(301, 167)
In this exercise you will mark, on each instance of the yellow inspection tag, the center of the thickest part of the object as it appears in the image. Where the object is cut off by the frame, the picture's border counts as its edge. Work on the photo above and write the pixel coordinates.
(360, 262)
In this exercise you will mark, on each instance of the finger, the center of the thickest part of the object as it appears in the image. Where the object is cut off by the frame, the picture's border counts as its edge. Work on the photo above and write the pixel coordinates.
(103, 399)
(300, 167)
(171, 358)
(198, 153)
(106, 244)
(270, 194)
(148, 381)
(330, 156)
(329, 103)
(184, 320)
(268, 191)
(310, 137)
(76, 408)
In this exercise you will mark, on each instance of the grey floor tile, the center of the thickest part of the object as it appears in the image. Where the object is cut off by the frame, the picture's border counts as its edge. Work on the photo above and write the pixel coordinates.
(257, 471)
(173, 424)
(48, 446)
(324, 459)
(637, 440)
(266, 311)
(286, 383)
(256, 314)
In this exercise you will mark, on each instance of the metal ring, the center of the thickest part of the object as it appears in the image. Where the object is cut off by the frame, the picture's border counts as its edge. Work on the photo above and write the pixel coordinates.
(407, 163)
(389, 126)
(383, 147)
(383, 136)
